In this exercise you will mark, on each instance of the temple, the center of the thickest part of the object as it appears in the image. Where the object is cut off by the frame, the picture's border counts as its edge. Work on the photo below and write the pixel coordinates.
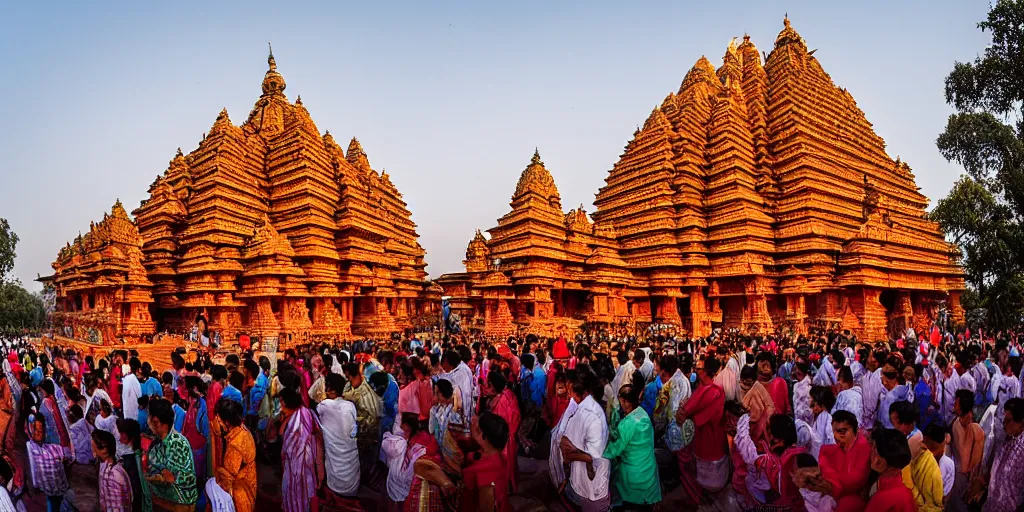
(267, 228)
(756, 197)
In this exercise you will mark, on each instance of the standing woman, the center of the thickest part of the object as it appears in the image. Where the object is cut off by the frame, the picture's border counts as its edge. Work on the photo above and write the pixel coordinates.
(196, 428)
(486, 477)
(236, 477)
(8, 417)
(115, 486)
(636, 472)
(504, 404)
(301, 454)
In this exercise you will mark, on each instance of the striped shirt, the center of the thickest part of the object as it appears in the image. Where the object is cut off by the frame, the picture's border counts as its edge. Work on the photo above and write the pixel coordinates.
(115, 488)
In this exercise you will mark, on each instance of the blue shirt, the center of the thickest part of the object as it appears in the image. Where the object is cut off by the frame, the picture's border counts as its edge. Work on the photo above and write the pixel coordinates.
(37, 375)
(534, 385)
(651, 396)
(152, 387)
(232, 393)
(390, 405)
(143, 418)
(256, 395)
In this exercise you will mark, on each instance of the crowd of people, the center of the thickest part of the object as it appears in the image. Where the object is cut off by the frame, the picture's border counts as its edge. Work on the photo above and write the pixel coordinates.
(820, 422)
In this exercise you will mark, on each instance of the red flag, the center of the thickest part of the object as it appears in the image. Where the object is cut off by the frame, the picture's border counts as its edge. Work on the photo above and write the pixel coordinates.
(968, 333)
(935, 336)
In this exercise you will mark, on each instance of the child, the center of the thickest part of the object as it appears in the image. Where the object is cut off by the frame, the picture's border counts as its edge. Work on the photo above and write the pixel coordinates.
(807, 470)
(81, 435)
(107, 420)
(46, 466)
(935, 442)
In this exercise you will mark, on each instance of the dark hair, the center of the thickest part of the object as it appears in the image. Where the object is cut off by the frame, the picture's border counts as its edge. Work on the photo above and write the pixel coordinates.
(379, 382)
(161, 410)
(351, 369)
(134, 364)
(132, 430)
(167, 378)
(845, 374)
(527, 361)
(936, 432)
(1015, 406)
(290, 398)
(630, 393)
(639, 355)
(413, 420)
(966, 398)
(783, 428)
(847, 417)
(494, 429)
(497, 381)
(669, 364)
(803, 367)
(452, 358)
(444, 387)
(766, 356)
(334, 382)
(218, 372)
(230, 412)
(711, 366)
(6, 471)
(906, 412)
(806, 460)
(892, 446)
(748, 372)
(105, 441)
(237, 380)
(822, 395)
(252, 368)
(143, 401)
(47, 386)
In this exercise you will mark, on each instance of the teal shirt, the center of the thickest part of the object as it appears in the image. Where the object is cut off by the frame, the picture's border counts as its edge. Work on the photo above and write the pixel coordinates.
(634, 470)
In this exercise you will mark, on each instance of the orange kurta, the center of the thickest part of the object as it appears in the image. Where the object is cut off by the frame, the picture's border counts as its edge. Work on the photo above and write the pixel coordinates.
(237, 475)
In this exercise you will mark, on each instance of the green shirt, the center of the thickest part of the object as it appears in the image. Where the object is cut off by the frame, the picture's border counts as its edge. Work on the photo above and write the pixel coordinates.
(174, 454)
(635, 472)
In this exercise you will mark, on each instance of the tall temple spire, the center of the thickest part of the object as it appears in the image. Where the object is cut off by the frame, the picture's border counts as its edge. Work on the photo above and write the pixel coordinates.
(273, 82)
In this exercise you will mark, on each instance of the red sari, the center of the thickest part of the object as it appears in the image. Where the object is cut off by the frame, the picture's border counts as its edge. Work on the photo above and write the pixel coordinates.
(490, 470)
(506, 406)
(706, 407)
(847, 471)
(779, 391)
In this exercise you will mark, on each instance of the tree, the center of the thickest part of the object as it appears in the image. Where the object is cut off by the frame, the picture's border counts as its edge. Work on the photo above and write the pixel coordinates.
(8, 241)
(984, 212)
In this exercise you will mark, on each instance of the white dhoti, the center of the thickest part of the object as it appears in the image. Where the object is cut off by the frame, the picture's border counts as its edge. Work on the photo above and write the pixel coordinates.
(712, 475)
(220, 500)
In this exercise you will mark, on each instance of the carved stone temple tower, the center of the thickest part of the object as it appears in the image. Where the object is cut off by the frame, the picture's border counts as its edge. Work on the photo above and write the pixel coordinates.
(267, 228)
(757, 196)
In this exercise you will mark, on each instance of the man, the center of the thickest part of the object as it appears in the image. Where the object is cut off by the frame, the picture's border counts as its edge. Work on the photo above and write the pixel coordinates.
(171, 472)
(727, 378)
(623, 374)
(892, 392)
(131, 389)
(533, 379)
(845, 465)
(369, 407)
(642, 361)
(47, 463)
(871, 389)
(849, 398)
(582, 445)
(968, 442)
(889, 455)
(922, 475)
(1005, 491)
(456, 372)
(340, 429)
(703, 463)
(935, 443)
(951, 378)
(802, 393)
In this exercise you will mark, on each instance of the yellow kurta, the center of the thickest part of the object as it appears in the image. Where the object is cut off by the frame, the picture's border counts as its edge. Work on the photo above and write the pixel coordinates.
(237, 474)
(924, 479)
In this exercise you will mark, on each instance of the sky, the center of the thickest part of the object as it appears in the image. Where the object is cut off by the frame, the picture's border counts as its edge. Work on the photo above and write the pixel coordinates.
(450, 98)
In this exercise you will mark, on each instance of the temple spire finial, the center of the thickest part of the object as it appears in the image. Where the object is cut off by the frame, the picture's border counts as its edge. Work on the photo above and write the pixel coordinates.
(536, 156)
(270, 58)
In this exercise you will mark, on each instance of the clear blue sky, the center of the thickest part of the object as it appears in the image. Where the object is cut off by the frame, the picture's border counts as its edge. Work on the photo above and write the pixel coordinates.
(450, 99)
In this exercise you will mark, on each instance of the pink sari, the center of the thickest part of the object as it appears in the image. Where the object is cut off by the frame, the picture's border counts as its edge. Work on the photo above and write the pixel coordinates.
(505, 405)
(302, 461)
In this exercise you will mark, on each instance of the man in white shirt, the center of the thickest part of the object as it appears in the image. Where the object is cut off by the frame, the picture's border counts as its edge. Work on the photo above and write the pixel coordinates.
(131, 390)
(934, 440)
(802, 393)
(338, 419)
(456, 372)
(583, 443)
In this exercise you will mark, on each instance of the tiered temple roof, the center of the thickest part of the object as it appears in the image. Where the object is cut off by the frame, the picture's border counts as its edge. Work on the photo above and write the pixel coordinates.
(757, 196)
(270, 228)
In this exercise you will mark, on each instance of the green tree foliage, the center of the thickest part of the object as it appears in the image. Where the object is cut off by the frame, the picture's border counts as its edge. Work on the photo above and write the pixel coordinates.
(19, 309)
(983, 212)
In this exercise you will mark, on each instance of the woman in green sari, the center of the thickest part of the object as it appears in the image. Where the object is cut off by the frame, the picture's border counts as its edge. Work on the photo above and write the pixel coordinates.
(634, 471)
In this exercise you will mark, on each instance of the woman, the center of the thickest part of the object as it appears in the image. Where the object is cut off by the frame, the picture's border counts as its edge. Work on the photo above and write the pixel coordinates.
(115, 486)
(235, 478)
(131, 435)
(402, 452)
(503, 403)
(171, 470)
(301, 454)
(196, 428)
(486, 477)
(636, 472)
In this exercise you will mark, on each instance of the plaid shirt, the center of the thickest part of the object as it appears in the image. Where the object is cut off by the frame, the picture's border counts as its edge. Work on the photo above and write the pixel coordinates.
(115, 488)
(46, 465)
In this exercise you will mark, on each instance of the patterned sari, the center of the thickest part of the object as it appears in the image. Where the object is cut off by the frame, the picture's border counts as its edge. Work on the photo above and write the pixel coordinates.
(302, 461)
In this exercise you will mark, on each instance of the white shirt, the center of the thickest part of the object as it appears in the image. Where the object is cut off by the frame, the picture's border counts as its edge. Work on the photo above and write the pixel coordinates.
(850, 400)
(555, 471)
(338, 418)
(587, 429)
(130, 393)
(948, 470)
(823, 428)
(462, 377)
(802, 400)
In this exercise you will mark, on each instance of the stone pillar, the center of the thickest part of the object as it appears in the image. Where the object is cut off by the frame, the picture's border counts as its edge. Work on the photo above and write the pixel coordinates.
(873, 321)
(796, 312)
(956, 311)
(701, 318)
